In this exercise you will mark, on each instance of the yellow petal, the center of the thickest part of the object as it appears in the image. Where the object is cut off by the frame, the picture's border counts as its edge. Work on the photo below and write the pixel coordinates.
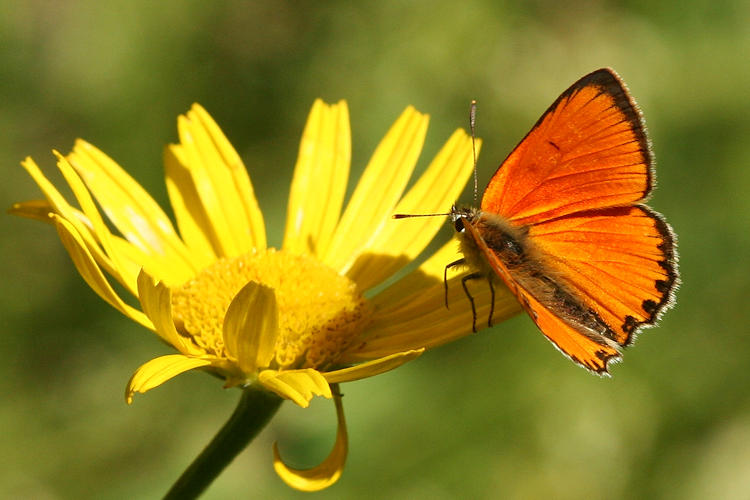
(399, 241)
(325, 474)
(159, 370)
(156, 301)
(112, 261)
(422, 320)
(296, 385)
(194, 224)
(35, 209)
(91, 273)
(253, 218)
(122, 257)
(379, 189)
(222, 183)
(131, 209)
(251, 325)
(411, 313)
(428, 274)
(320, 178)
(370, 368)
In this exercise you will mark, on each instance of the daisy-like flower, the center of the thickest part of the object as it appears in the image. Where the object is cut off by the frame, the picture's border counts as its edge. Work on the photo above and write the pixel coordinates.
(281, 324)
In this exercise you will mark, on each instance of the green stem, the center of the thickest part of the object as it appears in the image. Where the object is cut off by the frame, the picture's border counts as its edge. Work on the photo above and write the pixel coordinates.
(255, 409)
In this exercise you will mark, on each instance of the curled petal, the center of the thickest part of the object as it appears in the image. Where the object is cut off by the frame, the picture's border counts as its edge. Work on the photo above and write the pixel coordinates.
(370, 368)
(329, 471)
(296, 385)
(159, 370)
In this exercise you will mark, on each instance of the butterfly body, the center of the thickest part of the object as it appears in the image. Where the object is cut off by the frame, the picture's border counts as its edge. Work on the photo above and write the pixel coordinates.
(562, 225)
(515, 261)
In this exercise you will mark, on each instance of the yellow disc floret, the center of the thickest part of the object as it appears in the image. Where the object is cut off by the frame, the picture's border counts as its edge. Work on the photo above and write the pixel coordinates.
(320, 311)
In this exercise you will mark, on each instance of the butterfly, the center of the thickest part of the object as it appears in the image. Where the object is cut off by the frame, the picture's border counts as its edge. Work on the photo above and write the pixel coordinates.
(563, 224)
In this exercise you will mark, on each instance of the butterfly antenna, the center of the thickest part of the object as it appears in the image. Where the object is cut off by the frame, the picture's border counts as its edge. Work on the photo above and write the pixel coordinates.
(406, 216)
(473, 127)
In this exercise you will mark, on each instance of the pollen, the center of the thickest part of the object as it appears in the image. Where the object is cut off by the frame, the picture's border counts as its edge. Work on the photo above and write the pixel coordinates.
(320, 311)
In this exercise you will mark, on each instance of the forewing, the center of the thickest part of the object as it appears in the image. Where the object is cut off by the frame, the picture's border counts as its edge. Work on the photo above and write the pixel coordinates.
(588, 151)
(620, 262)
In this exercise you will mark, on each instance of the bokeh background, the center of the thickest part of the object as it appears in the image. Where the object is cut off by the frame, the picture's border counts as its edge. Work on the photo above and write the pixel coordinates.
(497, 415)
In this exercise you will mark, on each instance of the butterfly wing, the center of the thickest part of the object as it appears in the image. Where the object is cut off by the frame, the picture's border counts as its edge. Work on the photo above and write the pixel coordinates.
(619, 261)
(575, 182)
(587, 151)
(592, 351)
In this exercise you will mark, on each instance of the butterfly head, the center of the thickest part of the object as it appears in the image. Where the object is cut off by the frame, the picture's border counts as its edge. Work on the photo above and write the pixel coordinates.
(459, 216)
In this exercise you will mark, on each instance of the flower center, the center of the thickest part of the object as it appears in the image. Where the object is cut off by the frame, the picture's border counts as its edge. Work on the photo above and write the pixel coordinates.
(320, 311)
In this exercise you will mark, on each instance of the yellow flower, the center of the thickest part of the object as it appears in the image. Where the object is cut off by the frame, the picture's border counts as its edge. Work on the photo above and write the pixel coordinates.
(321, 310)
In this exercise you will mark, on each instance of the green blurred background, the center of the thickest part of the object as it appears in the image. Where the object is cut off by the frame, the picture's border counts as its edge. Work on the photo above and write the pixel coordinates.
(497, 415)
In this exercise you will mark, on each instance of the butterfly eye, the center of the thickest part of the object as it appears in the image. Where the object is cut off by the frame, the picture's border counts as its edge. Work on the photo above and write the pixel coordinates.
(459, 224)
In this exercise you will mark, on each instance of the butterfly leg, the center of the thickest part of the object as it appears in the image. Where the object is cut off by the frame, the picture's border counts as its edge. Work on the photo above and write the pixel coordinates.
(455, 263)
(472, 276)
(492, 301)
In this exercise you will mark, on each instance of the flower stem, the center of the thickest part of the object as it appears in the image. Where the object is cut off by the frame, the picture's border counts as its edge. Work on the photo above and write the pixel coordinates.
(255, 409)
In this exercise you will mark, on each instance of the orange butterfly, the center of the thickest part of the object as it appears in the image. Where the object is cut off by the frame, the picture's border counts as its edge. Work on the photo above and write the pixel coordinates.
(562, 224)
